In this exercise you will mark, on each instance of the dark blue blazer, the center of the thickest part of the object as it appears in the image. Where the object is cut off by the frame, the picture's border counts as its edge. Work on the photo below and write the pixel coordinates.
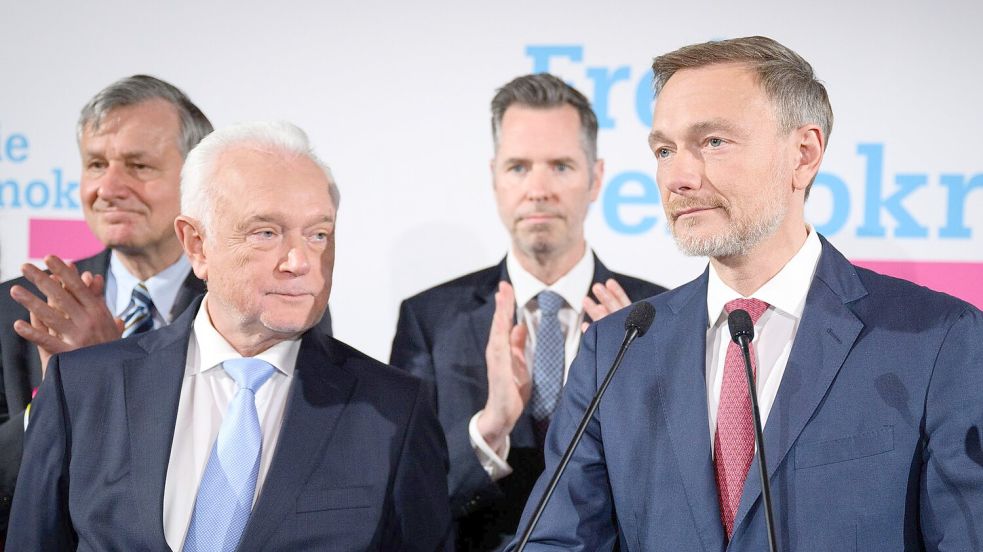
(360, 463)
(873, 442)
(20, 369)
(441, 337)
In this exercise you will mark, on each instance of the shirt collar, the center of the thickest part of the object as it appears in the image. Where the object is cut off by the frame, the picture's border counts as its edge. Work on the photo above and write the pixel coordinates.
(572, 286)
(785, 291)
(163, 286)
(213, 349)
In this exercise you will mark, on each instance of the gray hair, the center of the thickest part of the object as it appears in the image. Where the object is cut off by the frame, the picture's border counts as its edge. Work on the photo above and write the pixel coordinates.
(197, 191)
(141, 88)
(786, 78)
(544, 91)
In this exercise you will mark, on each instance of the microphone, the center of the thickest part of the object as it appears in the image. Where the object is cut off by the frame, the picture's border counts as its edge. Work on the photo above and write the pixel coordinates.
(742, 332)
(638, 322)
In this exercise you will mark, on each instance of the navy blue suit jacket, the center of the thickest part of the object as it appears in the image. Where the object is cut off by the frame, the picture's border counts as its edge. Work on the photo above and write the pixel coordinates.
(360, 463)
(441, 337)
(20, 369)
(873, 442)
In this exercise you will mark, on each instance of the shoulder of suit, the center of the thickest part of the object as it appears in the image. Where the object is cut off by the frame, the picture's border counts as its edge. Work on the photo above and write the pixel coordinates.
(364, 366)
(11, 310)
(888, 294)
(637, 288)
(458, 288)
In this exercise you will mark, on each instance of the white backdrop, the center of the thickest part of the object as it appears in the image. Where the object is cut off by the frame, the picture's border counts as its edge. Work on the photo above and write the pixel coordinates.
(395, 97)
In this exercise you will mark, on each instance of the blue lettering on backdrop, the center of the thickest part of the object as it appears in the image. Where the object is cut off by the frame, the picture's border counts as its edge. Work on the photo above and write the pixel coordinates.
(37, 193)
(630, 192)
(620, 192)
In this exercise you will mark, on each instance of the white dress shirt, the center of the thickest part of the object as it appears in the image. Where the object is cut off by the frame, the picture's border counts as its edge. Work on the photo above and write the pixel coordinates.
(774, 332)
(163, 287)
(573, 287)
(206, 392)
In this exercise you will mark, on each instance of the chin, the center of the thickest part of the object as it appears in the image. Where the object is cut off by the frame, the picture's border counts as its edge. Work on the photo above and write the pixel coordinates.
(287, 325)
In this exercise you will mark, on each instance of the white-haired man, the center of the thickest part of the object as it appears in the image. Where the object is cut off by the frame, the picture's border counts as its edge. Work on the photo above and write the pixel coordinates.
(237, 428)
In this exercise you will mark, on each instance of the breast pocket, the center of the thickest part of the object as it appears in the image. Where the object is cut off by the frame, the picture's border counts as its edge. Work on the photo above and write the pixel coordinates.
(336, 498)
(868, 443)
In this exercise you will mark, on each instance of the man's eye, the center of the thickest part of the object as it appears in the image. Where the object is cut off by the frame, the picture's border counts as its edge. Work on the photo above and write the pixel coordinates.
(518, 169)
(662, 153)
(715, 142)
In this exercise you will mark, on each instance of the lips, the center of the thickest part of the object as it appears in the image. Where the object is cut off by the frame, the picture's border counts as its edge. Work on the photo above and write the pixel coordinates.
(683, 208)
(292, 293)
(538, 217)
(691, 210)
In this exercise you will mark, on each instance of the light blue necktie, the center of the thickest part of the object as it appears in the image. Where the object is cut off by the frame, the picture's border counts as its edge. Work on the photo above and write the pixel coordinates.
(138, 316)
(225, 497)
(547, 373)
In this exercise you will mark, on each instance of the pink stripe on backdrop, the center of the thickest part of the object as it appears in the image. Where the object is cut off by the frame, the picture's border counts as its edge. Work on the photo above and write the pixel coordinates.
(69, 239)
(964, 280)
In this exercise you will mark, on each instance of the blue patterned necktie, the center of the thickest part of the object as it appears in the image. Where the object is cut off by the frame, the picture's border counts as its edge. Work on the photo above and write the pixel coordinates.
(547, 372)
(138, 316)
(225, 497)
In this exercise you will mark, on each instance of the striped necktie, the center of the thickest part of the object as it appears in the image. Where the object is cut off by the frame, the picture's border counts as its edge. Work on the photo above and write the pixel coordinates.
(138, 316)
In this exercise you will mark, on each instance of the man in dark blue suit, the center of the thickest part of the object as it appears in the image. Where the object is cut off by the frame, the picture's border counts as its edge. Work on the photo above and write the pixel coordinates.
(869, 385)
(462, 335)
(239, 426)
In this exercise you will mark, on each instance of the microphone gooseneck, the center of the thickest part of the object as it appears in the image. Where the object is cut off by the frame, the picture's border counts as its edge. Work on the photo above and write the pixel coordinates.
(742, 332)
(638, 322)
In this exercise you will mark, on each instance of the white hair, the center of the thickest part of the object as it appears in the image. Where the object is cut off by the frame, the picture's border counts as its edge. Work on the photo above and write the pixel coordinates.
(197, 191)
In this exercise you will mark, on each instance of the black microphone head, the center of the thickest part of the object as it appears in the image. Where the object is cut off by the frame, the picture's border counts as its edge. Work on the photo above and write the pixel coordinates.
(739, 322)
(640, 318)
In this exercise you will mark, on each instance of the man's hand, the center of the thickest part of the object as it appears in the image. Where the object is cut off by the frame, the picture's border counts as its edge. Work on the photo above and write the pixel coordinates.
(509, 385)
(75, 314)
(610, 297)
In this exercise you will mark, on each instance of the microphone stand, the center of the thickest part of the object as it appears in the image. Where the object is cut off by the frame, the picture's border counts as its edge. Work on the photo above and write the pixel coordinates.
(634, 330)
(744, 341)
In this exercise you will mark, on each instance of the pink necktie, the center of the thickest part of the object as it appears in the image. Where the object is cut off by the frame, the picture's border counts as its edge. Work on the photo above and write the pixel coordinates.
(733, 446)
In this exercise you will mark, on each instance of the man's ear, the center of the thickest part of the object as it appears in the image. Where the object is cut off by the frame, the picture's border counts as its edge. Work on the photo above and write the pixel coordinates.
(597, 177)
(810, 148)
(192, 238)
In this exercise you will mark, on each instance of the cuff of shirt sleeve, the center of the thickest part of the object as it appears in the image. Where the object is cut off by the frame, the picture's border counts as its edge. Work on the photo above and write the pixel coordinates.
(493, 462)
(27, 411)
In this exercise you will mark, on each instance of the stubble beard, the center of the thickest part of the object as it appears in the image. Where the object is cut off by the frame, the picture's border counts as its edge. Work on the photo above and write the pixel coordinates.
(742, 234)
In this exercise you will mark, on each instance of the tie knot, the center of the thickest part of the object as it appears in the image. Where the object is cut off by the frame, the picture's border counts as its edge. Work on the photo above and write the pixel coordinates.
(754, 307)
(141, 296)
(550, 302)
(248, 373)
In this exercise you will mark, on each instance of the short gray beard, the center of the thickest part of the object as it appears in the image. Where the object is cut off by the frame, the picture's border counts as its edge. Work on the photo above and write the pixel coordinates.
(742, 237)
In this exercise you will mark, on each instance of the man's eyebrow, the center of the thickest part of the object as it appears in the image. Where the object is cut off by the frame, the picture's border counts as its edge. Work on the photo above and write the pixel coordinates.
(656, 137)
(714, 125)
(514, 160)
(320, 220)
(566, 160)
(698, 129)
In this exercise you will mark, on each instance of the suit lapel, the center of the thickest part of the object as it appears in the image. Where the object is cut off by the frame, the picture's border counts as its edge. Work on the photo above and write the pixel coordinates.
(96, 264)
(480, 317)
(825, 336)
(682, 395)
(152, 390)
(318, 397)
